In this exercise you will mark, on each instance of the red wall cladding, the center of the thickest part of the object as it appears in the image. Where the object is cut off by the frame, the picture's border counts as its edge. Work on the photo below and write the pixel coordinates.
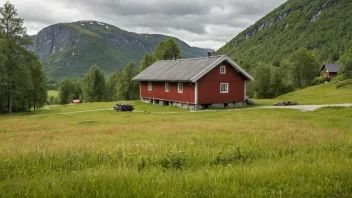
(158, 92)
(209, 86)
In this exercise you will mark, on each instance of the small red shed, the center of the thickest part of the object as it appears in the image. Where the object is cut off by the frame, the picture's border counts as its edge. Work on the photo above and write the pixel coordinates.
(76, 102)
(196, 83)
(330, 70)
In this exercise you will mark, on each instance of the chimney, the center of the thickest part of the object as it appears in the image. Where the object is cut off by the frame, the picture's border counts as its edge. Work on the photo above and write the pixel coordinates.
(209, 54)
(175, 57)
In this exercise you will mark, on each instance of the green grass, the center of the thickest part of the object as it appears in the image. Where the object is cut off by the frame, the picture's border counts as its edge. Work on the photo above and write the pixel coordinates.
(245, 153)
(52, 93)
(319, 94)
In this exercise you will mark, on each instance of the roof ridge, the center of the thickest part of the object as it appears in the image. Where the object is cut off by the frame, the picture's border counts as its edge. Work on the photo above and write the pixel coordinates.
(203, 57)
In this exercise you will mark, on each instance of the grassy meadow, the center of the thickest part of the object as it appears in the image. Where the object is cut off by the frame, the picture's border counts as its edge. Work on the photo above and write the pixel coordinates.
(52, 93)
(318, 94)
(88, 151)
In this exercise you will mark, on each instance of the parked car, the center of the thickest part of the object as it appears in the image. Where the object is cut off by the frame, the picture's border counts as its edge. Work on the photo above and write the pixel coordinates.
(123, 107)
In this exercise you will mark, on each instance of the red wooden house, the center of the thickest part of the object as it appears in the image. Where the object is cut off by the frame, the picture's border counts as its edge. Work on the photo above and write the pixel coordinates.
(196, 83)
(330, 70)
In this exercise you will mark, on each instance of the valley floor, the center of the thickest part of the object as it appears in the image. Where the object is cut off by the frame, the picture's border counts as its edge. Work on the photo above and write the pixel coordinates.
(256, 153)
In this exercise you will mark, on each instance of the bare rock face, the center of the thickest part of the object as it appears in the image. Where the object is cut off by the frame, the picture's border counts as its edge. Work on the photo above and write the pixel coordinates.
(52, 39)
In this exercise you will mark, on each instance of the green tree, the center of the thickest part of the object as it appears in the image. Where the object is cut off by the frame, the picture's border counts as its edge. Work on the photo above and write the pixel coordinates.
(93, 86)
(166, 50)
(261, 85)
(346, 69)
(14, 38)
(68, 90)
(39, 94)
(3, 81)
(306, 68)
(111, 86)
(270, 81)
(126, 88)
(148, 60)
(344, 77)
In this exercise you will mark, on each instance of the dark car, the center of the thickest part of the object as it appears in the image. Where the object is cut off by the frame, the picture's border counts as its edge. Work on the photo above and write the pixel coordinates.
(123, 107)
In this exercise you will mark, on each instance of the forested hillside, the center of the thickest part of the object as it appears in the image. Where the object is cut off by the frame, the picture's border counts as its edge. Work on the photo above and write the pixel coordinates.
(68, 50)
(324, 27)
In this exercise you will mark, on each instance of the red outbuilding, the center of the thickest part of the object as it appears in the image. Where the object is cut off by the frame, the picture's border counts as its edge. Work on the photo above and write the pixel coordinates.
(76, 101)
(196, 83)
(330, 70)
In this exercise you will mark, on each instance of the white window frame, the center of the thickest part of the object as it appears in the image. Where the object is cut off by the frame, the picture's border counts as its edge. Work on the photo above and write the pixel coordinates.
(180, 85)
(166, 87)
(150, 86)
(223, 69)
(227, 86)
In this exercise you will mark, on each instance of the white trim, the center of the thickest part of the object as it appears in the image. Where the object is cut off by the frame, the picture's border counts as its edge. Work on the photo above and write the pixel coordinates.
(196, 93)
(150, 86)
(222, 67)
(216, 63)
(245, 90)
(204, 71)
(166, 87)
(178, 88)
(227, 87)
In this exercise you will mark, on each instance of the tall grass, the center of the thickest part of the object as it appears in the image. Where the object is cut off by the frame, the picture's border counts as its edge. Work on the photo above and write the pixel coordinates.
(257, 153)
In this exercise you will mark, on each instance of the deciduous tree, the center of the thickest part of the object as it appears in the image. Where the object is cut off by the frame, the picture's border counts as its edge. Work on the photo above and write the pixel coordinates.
(93, 85)
(126, 88)
(14, 40)
(166, 50)
(306, 67)
(148, 60)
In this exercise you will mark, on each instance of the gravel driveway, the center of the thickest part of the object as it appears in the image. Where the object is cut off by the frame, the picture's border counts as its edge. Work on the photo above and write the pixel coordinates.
(304, 107)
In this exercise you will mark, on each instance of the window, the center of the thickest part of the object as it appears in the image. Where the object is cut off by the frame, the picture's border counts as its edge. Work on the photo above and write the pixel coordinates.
(150, 86)
(222, 69)
(180, 87)
(166, 87)
(224, 88)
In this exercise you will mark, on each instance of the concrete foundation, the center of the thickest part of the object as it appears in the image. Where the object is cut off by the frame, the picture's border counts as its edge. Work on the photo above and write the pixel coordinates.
(194, 107)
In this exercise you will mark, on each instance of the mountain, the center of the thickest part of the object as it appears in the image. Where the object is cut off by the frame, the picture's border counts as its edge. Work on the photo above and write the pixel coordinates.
(322, 26)
(68, 50)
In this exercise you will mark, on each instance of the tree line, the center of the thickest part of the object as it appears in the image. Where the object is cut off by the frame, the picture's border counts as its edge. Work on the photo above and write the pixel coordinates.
(22, 80)
(119, 85)
(300, 70)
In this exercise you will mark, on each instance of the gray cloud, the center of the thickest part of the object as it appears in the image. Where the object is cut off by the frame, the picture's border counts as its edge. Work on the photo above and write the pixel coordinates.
(202, 23)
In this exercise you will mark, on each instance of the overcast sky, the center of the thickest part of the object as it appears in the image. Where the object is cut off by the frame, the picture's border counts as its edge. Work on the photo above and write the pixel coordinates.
(201, 23)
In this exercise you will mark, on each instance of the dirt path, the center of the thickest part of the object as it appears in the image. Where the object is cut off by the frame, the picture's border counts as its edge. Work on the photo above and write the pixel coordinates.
(303, 108)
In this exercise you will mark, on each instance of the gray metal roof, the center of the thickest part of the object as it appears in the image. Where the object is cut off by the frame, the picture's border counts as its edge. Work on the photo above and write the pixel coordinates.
(331, 67)
(185, 70)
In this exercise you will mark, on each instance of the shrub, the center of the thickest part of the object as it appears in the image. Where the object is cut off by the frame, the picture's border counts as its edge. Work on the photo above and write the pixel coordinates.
(342, 83)
(320, 80)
